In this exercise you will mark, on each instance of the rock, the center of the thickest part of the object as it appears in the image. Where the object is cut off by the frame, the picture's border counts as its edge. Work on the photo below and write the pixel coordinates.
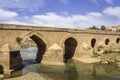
(104, 62)
(1, 76)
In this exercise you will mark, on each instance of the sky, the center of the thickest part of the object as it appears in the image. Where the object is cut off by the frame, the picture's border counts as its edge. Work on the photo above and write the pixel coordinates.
(80, 14)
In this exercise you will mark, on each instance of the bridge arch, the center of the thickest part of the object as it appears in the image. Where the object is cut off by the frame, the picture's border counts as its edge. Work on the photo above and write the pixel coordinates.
(39, 35)
(107, 41)
(66, 36)
(40, 41)
(93, 42)
(69, 44)
(70, 47)
(117, 40)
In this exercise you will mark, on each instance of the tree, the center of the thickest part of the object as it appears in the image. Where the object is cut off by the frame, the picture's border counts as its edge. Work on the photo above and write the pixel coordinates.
(102, 27)
(93, 27)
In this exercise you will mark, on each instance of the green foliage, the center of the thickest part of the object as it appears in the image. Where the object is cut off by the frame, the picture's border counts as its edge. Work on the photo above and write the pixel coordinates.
(18, 40)
(95, 54)
(93, 27)
(113, 63)
(102, 27)
(118, 30)
(106, 51)
(98, 49)
(100, 46)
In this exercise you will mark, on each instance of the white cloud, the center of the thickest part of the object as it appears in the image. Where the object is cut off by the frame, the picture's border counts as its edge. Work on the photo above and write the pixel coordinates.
(73, 21)
(113, 11)
(109, 1)
(95, 14)
(109, 16)
(95, 1)
(6, 15)
(24, 4)
(65, 1)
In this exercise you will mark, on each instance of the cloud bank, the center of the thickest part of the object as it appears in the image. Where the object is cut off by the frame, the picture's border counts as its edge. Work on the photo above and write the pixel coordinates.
(21, 4)
(109, 16)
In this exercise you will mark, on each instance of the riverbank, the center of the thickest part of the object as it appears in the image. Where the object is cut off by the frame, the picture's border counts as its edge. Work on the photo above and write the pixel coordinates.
(31, 76)
(88, 59)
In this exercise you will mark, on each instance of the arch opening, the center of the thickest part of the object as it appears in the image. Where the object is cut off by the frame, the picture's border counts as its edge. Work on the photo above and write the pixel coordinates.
(107, 41)
(70, 47)
(117, 40)
(34, 54)
(93, 42)
(1, 69)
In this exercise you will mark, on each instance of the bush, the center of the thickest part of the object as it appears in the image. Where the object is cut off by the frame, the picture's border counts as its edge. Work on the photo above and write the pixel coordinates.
(95, 54)
(102, 27)
(93, 27)
(105, 51)
(100, 46)
(18, 40)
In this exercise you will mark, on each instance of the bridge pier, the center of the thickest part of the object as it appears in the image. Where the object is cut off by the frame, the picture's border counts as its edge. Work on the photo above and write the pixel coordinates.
(16, 60)
(5, 60)
(41, 52)
(54, 55)
(10, 60)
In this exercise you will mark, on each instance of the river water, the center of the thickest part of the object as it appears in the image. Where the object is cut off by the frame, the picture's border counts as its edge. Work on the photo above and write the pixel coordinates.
(73, 70)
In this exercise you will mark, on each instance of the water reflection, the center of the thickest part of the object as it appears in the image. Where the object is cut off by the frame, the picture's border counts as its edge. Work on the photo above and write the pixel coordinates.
(71, 71)
(94, 73)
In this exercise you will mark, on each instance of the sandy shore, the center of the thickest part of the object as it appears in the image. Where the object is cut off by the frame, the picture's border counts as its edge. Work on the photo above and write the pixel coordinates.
(31, 76)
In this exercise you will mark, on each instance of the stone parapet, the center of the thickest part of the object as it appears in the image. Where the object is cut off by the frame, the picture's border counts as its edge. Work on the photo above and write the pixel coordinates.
(53, 29)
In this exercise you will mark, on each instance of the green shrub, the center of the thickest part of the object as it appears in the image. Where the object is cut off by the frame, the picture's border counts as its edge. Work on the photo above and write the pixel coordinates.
(100, 46)
(98, 49)
(105, 51)
(95, 54)
(18, 40)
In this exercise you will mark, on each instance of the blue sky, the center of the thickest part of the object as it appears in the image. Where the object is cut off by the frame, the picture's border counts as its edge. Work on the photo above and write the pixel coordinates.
(61, 13)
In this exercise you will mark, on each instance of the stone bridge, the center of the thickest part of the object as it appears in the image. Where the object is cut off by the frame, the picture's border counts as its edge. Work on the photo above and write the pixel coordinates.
(54, 44)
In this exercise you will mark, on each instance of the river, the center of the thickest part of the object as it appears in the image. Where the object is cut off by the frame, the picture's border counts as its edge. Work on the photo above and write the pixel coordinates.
(73, 70)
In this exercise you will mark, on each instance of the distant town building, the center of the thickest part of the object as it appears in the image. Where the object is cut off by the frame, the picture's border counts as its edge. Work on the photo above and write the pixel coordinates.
(118, 28)
(112, 28)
